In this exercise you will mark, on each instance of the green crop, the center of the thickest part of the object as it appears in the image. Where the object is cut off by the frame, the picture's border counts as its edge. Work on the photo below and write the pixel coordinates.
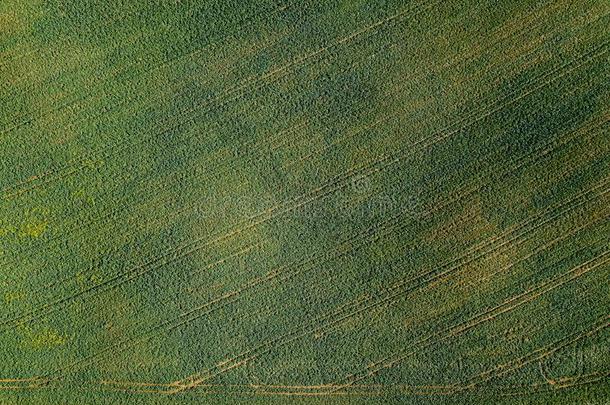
(344, 201)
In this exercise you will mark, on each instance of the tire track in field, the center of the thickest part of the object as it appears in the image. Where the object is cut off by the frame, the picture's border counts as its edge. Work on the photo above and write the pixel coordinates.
(101, 218)
(82, 163)
(41, 49)
(343, 309)
(132, 107)
(80, 227)
(52, 76)
(35, 177)
(237, 91)
(172, 255)
(245, 23)
(539, 249)
(535, 355)
(531, 157)
(553, 283)
(86, 161)
(134, 226)
(367, 235)
(358, 306)
(397, 299)
(249, 356)
(358, 391)
(486, 316)
(258, 145)
(475, 382)
(320, 390)
(314, 195)
(549, 284)
(436, 68)
(565, 380)
(55, 283)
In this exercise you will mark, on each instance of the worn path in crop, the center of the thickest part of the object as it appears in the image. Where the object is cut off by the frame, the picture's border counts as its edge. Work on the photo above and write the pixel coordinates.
(301, 201)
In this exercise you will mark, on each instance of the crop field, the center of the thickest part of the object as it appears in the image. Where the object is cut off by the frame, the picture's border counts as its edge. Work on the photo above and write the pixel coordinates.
(304, 201)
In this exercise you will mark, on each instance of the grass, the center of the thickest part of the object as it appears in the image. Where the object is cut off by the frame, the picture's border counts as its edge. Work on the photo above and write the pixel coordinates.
(333, 202)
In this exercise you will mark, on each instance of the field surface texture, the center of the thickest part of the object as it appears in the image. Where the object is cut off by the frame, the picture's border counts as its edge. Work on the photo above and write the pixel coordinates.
(344, 201)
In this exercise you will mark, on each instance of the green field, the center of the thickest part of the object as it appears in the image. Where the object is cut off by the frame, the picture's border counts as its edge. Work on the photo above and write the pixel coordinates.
(345, 201)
